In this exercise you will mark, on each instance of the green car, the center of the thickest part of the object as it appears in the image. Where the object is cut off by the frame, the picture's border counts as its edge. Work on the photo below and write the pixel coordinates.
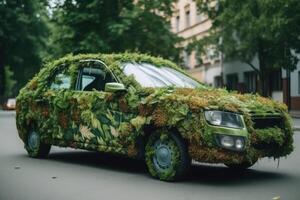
(147, 108)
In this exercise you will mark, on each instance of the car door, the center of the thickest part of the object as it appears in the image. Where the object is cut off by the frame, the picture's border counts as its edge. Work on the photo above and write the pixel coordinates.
(58, 98)
(100, 118)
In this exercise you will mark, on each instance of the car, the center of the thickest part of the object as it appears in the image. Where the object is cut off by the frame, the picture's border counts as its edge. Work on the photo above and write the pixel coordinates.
(147, 108)
(10, 104)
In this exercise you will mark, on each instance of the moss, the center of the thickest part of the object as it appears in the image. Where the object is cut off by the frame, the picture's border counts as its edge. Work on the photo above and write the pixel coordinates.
(268, 136)
(168, 173)
(45, 111)
(162, 108)
(217, 155)
(125, 129)
(160, 117)
(132, 151)
(145, 110)
(75, 116)
(123, 106)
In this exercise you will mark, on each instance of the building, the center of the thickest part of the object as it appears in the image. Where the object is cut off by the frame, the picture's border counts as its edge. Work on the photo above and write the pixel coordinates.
(291, 97)
(188, 23)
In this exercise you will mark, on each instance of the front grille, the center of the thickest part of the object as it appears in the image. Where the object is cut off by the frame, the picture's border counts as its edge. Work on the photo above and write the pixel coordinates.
(261, 122)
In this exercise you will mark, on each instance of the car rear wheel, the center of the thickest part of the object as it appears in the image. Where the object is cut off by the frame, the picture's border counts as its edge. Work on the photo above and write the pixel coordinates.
(34, 147)
(166, 156)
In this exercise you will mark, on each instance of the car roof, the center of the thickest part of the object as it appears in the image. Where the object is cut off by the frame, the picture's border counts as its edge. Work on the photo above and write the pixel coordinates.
(114, 60)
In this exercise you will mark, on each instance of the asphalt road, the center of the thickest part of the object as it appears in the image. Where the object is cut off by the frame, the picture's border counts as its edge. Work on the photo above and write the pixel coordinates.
(74, 174)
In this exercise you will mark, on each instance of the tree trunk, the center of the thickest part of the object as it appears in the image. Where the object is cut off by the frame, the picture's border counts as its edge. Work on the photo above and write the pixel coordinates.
(264, 88)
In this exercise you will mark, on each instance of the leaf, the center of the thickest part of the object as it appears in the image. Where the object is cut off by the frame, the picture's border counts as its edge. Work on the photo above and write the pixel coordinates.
(114, 132)
(100, 141)
(138, 122)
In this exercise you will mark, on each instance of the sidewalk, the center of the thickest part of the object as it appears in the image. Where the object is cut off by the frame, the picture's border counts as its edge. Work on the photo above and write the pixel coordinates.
(295, 114)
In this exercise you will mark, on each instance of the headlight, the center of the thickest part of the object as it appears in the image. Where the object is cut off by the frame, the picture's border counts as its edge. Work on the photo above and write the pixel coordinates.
(227, 141)
(220, 118)
(239, 143)
(236, 143)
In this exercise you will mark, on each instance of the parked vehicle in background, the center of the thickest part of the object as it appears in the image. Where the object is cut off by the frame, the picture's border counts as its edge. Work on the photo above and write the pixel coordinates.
(148, 108)
(10, 104)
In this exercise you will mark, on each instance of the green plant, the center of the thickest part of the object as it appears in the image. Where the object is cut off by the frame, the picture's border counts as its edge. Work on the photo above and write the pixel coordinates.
(117, 121)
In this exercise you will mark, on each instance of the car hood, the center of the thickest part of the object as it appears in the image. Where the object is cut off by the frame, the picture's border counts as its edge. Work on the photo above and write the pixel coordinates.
(216, 99)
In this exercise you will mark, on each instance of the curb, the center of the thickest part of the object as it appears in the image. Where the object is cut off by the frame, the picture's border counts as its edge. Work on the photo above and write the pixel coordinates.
(296, 128)
(7, 113)
(295, 114)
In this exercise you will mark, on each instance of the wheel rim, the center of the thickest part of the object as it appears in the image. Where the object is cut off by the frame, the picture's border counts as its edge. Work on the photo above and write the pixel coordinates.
(33, 140)
(162, 158)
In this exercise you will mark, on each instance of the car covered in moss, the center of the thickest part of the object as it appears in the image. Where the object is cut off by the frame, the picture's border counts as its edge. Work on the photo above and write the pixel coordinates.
(147, 108)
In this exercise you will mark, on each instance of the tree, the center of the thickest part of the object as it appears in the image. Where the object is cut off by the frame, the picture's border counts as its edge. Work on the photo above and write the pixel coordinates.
(266, 29)
(108, 26)
(9, 82)
(22, 36)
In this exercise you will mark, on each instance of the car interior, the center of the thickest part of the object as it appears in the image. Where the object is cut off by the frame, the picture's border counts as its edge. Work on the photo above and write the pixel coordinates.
(94, 76)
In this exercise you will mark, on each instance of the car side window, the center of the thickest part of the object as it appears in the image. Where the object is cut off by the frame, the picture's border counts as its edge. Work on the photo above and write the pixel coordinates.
(86, 80)
(93, 75)
(61, 81)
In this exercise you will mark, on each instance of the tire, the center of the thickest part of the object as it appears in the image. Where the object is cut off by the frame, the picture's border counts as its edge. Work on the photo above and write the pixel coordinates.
(241, 166)
(34, 147)
(166, 156)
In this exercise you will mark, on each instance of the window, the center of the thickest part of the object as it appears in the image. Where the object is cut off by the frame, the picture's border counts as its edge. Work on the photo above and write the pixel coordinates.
(187, 19)
(93, 75)
(177, 23)
(148, 75)
(218, 82)
(199, 17)
(86, 80)
(198, 58)
(250, 82)
(212, 53)
(186, 59)
(61, 81)
(232, 81)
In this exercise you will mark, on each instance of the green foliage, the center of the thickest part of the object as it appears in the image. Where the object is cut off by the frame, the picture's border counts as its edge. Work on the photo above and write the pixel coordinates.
(113, 26)
(169, 173)
(9, 82)
(270, 135)
(266, 29)
(22, 38)
(113, 122)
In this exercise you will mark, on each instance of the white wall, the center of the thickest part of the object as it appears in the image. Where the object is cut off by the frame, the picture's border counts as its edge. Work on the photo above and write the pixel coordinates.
(294, 81)
(238, 68)
(211, 72)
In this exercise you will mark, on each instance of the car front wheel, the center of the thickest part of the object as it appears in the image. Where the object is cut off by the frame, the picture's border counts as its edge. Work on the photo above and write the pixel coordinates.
(166, 156)
(34, 147)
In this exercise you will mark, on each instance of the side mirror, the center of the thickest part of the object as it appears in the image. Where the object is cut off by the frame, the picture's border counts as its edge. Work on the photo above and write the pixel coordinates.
(114, 87)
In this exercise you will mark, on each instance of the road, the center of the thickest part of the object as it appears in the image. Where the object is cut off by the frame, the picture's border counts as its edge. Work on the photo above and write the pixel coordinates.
(81, 175)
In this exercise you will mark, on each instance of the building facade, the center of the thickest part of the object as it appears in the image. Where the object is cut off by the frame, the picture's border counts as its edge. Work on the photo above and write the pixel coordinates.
(291, 80)
(189, 24)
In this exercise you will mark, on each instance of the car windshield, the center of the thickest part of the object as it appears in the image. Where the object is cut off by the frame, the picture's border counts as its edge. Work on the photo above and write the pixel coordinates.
(151, 76)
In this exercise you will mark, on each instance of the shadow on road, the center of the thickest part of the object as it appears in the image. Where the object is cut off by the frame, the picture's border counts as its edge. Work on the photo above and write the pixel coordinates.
(199, 174)
(219, 175)
(100, 160)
